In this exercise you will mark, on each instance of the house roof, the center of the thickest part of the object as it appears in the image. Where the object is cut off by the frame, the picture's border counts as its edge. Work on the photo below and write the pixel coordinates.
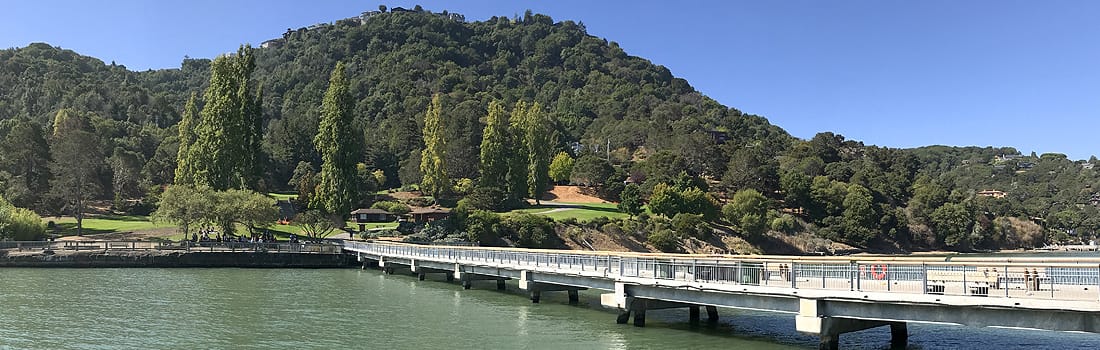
(430, 211)
(370, 211)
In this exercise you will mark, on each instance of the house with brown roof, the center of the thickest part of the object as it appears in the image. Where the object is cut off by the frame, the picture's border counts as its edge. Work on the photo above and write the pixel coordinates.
(425, 215)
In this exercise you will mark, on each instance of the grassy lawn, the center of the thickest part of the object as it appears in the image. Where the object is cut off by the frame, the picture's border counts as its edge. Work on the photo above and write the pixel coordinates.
(106, 224)
(283, 196)
(578, 211)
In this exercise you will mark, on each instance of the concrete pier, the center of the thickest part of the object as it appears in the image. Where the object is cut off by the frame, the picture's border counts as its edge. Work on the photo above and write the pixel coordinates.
(828, 297)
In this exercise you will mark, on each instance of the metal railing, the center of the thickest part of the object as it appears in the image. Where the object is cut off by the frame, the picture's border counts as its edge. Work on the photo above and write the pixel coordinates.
(1059, 279)
(207, 246)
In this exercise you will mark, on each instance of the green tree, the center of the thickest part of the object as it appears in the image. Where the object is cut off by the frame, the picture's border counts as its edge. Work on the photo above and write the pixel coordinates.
(26, 155)
(631, 200)
(796, 189)
(538, 141)
(184, 168)
(256, 211)
(665, 200)
(927, 196)
(76, 161)
(748, 209)
(591, 170)
(337, 190)
(185, 206)
(316, 225)
(304, 181)
(494, 147)
(224, 153)
(432, 164)
(561, 168)
(860, 219)
(517, 157)
(827, 197)
(953, 223)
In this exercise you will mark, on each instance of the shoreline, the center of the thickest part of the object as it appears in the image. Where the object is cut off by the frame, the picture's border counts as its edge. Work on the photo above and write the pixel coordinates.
(169, 259)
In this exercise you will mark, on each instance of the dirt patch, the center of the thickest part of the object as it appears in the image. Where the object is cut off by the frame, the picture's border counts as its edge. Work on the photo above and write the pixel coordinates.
(124, 236)
(404, 195)
(570, 194)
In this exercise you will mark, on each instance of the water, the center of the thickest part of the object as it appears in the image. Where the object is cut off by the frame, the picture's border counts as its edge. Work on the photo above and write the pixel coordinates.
(355, 309)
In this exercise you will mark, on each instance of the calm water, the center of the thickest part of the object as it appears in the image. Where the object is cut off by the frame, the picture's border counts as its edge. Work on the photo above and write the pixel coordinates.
(354, 309)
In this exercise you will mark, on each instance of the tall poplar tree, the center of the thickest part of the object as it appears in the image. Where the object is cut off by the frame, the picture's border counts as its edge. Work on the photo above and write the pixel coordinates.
(336, 193)
(517, 155)
(494, 148)
(224, 153)
(432, 166)
(186, 126)
(538, 141)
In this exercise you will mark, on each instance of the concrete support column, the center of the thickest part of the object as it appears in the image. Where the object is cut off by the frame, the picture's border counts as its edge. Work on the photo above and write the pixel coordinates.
(624, 316)
(421, 276)
(574, 296)
(466, 284)
(535, 296)
(639, 317)
(693, 315)
(899, 335)
(500, 285)
(829, 342)
(712, 314)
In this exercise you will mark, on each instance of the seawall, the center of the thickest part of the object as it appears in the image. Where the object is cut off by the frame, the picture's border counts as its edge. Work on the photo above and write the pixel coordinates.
(152, 258)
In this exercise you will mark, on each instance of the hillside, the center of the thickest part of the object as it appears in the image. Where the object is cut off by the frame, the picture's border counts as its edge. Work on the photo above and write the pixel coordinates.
(622, 117)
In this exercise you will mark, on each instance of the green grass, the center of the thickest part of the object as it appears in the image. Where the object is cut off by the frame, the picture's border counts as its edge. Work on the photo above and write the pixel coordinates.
(107, 224)
(579, 211)
(283, 196)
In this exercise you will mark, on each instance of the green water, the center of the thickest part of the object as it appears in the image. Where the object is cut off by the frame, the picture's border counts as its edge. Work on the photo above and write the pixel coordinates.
(356, 309)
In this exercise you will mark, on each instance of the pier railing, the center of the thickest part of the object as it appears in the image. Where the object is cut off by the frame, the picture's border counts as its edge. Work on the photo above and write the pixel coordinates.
(207, 246)
(1046, 278)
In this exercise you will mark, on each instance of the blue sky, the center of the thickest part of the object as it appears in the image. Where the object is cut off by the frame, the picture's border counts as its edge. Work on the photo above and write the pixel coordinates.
(887, 72)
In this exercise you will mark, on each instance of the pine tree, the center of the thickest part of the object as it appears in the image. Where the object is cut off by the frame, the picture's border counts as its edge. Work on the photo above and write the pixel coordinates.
(517, 155)
(494, 151)
(336, 192)
(184, 171)
(537, 139)
(432, 166)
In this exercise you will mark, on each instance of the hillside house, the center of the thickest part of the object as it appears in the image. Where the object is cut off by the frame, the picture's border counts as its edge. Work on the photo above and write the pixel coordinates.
(372, 215)
(426, 215)
(992, 193)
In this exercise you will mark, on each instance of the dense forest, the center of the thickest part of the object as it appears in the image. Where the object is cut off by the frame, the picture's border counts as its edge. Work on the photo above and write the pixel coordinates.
(628, 130)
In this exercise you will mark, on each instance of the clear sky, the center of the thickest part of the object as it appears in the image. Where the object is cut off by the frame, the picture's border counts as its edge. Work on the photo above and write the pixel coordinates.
(888, 72)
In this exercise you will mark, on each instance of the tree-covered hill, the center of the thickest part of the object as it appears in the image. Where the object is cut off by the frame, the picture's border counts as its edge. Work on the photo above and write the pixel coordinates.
(621, 117)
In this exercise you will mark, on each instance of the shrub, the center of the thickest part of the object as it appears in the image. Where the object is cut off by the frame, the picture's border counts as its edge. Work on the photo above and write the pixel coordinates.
(664, 240)
(463, 186)
(419, 201)
(393, 207)
(530, 230)
(690, 225)
(598, 221)
(482, 227)
(785, 223)
(20, 224)
(487, 198)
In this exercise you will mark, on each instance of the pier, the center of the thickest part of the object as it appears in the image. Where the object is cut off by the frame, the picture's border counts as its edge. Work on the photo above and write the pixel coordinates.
(827, 296)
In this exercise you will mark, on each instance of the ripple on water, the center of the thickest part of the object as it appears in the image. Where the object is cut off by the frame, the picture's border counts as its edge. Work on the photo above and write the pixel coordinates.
(327, 309)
